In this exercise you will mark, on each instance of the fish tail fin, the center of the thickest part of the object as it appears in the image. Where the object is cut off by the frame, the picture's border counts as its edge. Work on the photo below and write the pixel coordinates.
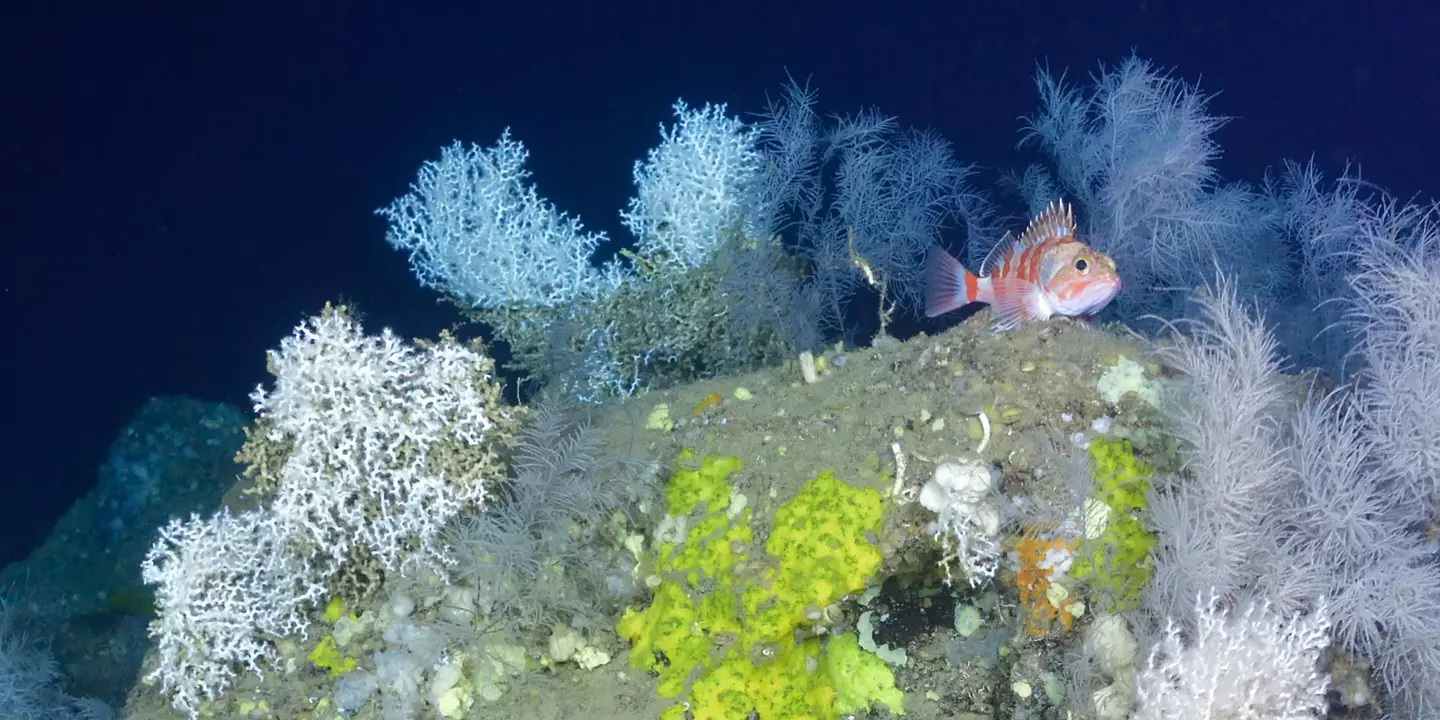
(948, 285)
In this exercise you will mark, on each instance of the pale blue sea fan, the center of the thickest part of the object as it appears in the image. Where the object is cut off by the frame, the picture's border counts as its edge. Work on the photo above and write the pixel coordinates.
(30, 678)
(1301, 498)
(897, 194)
(897, 190)
(694, 187)
(1321, 222)
(1134, 150)
(789, 184)
(477, 230)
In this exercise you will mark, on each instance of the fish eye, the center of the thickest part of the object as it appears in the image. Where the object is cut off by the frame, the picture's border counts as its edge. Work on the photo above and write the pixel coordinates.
(1082, 265)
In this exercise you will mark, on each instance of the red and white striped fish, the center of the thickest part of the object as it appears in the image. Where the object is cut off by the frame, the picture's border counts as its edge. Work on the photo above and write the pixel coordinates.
(1046, 272)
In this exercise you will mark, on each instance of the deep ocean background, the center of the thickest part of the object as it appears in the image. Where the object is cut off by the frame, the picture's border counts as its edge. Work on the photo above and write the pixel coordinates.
(183, 184)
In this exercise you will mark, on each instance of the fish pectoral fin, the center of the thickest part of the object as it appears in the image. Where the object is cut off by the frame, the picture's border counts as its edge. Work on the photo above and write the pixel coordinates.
(1015, 301)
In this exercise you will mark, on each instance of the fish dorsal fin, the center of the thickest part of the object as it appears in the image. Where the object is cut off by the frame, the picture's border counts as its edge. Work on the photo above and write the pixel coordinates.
(1056, 223)
(997, 251)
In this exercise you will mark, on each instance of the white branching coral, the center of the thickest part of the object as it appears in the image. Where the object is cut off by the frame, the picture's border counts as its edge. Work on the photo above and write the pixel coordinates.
(385, 443)
(477, 229)
(694, 186)
(1245, 663)
(388, 441)
(220, 581)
